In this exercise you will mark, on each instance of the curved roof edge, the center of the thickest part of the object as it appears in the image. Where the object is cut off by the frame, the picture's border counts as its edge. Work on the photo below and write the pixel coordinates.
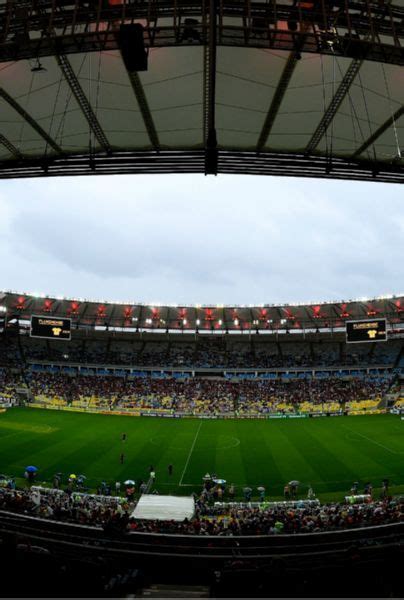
(132, 315)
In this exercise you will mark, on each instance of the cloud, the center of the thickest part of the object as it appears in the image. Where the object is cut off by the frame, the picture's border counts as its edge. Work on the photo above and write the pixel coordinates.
(194, 239)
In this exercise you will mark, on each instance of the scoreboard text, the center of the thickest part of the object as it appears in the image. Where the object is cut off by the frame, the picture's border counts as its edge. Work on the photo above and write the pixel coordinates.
(373, 330)
(50, 328)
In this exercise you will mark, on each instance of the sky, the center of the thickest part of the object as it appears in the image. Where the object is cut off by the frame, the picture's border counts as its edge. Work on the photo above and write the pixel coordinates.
(192, 239)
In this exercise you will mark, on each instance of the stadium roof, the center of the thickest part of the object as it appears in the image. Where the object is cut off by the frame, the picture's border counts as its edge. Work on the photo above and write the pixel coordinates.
(289, 87)
(267, 317)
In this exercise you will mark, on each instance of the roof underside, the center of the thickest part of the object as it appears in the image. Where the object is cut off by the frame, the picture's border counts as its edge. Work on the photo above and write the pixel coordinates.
(275, 112)
(87, 313)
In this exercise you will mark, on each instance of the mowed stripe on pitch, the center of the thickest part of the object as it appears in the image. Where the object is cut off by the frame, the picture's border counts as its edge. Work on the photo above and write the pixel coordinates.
(327, 452)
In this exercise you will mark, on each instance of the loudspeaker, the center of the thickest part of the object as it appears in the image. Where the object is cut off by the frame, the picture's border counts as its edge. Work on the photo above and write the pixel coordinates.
(353, 46)
(132, 47)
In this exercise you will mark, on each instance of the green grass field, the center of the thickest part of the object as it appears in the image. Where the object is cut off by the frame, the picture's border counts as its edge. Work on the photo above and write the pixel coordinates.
(328, 453)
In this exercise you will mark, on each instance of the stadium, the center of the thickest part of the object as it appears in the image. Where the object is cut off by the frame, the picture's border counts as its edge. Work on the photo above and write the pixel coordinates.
(201, 450)
(204, 383)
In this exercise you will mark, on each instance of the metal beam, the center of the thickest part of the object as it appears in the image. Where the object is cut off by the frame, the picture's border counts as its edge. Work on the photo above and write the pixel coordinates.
(210, 137)
(10, 147)
(229, 162)
(334, 105)
(27, 117)
(378, 132)
(280, 39)
(83, 102)
(355, 29)
(277, 99)
(144, 108)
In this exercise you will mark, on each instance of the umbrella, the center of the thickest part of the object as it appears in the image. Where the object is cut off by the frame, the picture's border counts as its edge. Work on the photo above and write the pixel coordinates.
(294, 482)
(220, 481)
(247, 489)
(261, 489)
(31, 469)
(129, 482)
(72, 476)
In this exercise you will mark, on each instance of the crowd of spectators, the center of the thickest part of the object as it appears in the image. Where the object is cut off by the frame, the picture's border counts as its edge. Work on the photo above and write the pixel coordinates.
(10, 355)
(235, 521)
(71, 389)
(223, 520)
(206, 353)
(194, 395)
(84, 509)
(198, 395)
(10, 380)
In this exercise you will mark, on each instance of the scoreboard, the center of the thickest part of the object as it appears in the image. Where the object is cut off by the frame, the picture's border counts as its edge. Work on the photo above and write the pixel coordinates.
(372, 330)
(51, 328)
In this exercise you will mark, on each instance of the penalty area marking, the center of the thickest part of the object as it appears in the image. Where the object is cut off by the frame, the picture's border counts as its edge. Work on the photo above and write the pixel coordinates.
(18, 427)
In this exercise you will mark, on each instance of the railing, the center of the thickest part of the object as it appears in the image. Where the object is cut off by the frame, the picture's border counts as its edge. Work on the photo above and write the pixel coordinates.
(70, 537)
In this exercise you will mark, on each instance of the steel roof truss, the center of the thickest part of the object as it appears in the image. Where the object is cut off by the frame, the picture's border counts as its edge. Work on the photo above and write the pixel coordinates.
(334, 105)
(30, 120)
(277, 99)
(371, 140)
(83, 102)
(144, 108)
(10, 147)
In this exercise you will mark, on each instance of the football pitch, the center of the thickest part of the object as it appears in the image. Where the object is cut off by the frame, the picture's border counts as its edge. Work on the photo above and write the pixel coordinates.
(326, 453)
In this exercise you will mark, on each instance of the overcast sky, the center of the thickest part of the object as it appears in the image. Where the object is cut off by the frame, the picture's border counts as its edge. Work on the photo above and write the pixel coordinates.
(196, 239)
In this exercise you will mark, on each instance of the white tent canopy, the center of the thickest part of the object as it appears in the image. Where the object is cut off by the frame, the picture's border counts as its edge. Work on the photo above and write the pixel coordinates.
(164, 508)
